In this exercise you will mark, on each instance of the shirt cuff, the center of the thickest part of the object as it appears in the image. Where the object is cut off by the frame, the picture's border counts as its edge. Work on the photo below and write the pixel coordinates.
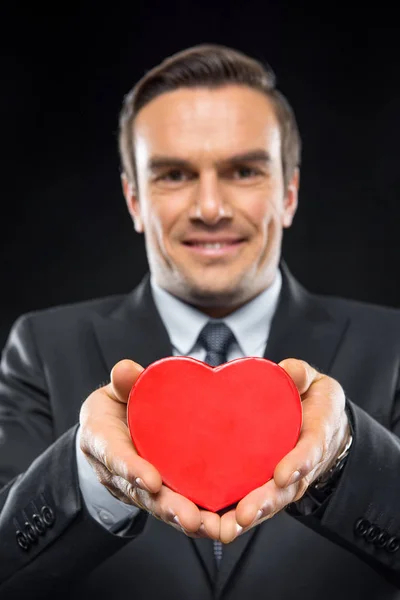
(113, 514)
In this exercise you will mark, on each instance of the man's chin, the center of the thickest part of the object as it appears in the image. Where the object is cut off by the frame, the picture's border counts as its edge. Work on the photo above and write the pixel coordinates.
(213, 293)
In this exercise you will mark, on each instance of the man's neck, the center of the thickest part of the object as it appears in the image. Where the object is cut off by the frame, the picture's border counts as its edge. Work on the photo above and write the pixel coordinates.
(218, 311)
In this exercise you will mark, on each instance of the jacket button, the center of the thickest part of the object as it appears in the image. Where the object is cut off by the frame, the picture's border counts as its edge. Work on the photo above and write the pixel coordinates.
(22, 540)
(393, 544)
(47, 515)
(372, 533)
(381, 540)
(361, 527)
(30, 532)
(38, 524)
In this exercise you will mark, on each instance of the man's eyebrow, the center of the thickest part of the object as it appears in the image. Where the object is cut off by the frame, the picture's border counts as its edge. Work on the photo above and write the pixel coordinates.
(159, 162)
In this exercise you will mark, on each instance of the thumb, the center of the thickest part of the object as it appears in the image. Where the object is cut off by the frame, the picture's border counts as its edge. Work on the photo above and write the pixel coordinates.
(123, 377)
(302, 374)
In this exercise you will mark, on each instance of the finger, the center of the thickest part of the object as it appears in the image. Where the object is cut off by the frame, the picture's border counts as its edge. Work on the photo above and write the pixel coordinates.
(110, 444)
(323, 408)
(302, 374)
(173, 508)
(261, 504)
(302, 460)
(166, 505)
(229, 528)
(123, 377)
(261, 499)
(122, 490)
(210, 524)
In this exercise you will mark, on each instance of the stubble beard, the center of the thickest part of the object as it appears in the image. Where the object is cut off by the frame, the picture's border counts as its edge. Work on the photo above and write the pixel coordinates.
(199, 294)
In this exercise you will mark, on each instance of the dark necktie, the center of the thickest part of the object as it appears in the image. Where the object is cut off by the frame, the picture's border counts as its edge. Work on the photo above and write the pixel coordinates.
(216, 338)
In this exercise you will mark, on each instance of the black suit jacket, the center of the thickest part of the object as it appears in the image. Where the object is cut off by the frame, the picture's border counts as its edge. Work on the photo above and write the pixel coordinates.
(55, 358)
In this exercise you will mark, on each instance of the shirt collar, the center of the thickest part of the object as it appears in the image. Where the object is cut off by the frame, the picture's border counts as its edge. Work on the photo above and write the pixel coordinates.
(250, 323)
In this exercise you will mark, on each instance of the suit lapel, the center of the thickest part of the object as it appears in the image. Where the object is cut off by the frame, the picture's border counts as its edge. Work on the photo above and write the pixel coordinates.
(302, 328)
(134, 330)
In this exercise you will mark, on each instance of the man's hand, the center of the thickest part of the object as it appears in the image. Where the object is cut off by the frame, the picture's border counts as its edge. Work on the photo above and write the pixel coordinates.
(324, 434)
(106, 443)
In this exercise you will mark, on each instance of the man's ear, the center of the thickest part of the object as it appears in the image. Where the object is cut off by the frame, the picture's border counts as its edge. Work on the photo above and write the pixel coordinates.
(132, 202)
(291, 198)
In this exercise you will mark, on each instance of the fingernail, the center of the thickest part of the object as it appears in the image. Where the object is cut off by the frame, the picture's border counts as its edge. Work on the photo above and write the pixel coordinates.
(177, 522)
(295, 477)
(202, 530)
(258, 516)
(140, 484)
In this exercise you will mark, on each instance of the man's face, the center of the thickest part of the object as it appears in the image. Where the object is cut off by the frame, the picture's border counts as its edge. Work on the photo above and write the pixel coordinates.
(212, 221)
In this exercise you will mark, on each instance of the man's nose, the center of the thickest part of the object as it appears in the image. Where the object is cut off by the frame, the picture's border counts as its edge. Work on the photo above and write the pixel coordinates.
(209, 203)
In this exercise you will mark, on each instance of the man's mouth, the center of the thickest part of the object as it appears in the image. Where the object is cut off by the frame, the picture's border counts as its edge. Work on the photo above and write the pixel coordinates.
(215, 248)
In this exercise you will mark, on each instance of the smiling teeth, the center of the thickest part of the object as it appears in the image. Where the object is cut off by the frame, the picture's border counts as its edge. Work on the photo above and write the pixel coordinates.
(212, 245)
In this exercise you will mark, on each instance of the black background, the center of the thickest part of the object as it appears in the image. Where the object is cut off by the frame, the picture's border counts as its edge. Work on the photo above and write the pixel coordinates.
(65, 232)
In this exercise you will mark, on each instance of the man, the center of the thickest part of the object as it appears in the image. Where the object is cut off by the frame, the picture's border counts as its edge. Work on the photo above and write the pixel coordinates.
(210, 154)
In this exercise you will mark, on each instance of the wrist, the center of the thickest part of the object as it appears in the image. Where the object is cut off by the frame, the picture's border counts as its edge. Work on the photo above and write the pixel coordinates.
(331, 475)
(320, 491)
(347, 439)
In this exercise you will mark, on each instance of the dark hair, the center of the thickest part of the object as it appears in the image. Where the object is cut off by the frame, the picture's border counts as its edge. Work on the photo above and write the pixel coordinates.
(210, 66)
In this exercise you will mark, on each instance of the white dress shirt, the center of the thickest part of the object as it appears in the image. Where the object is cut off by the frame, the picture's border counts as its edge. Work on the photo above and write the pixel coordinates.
(250, 324)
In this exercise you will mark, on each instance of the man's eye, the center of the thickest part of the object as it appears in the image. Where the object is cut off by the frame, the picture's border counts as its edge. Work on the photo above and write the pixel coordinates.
(174, 175)
(246, 172)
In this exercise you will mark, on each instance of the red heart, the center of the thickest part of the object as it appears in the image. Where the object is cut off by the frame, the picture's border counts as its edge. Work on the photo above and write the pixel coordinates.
(214, 434)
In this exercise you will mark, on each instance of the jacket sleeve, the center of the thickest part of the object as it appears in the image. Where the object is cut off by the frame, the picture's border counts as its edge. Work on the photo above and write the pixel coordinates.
(363, 513)
(47, 535)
